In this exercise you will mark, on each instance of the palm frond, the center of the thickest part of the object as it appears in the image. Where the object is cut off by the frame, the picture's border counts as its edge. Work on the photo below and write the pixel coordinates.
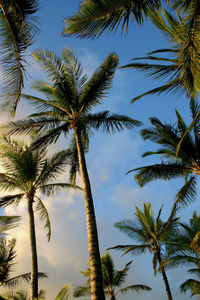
(111, 122)
(81, 291)
(44, 216)
(64, 293)
(93, 18)
(17, 30)
(135, 288)
(97, 87)
(164, 171)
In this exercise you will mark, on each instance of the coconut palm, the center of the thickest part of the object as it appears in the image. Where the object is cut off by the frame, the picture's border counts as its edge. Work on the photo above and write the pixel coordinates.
(112, 280)
(70, 98)
(29, 172)
(152, 234)
(184, 251)
(17, 30)
(185, 166)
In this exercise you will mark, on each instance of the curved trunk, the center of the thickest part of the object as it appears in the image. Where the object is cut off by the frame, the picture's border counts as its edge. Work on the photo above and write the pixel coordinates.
(97, 292)
(167, 287)
(34, 261)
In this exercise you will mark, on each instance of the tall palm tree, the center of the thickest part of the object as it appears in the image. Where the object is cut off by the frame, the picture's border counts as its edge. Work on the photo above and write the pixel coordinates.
(152, 234)
(17, 31)
(185, 166)
(70, 98)
(112, 280)
(28, 172)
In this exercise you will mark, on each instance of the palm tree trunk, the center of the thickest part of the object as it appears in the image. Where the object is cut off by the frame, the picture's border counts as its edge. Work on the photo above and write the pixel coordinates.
(34, 261)
(167, 287)
(97, 292)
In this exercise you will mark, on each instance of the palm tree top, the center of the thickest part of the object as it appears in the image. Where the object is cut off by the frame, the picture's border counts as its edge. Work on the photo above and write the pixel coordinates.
(185, 165)
(180, 66)
(70, 98)
(113, 280)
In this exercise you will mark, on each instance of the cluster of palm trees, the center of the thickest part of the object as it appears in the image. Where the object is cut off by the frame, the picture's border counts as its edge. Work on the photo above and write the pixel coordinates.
(68, 107)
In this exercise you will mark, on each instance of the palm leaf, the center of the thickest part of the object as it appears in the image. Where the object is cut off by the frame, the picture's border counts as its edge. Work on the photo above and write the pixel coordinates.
(44, 216)
(93, 17)
(64, 293)
(17, 31)
(135, 288)
(81, 291)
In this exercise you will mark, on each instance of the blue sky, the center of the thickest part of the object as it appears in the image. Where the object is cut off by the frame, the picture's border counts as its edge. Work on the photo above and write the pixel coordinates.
(110, 157)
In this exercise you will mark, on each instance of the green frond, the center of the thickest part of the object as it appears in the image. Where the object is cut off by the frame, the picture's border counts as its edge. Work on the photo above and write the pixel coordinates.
(44, 216)
(81, 291)
(164, 171)
(188, 192)
(64, 293)
(13, 282)
(93, 18)
(133, 249)
(135, 288)
(17, 30)
(111, 122)
(8, 222)
(99, 84)
(11, 200)
(51, 189)
(191, 285)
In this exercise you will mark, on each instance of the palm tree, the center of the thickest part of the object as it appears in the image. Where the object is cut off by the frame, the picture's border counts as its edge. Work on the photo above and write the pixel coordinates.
(152, 235)
(112, 279)
(185, 166)
(180, 67)
(184, 251)
(29, 171)
(70, 97)
(17, 30)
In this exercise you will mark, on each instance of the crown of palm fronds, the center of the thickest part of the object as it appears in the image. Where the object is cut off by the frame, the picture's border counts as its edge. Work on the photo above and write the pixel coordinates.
(180, 67)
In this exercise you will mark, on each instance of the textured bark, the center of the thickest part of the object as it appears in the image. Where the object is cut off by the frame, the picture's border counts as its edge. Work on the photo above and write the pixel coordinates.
(97, 292)
(34, 261)
(167, 287)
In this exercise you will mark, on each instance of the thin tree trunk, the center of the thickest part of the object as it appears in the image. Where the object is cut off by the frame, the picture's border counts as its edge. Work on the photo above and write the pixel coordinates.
(167, 287)
(97, 292)
(34, 261)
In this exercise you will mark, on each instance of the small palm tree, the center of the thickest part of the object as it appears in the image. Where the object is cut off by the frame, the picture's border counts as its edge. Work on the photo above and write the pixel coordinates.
(29, 171)
(185, 166)
(17, 30)
(152, 235)
(112, 280)
(184, 250)
(70, 99)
